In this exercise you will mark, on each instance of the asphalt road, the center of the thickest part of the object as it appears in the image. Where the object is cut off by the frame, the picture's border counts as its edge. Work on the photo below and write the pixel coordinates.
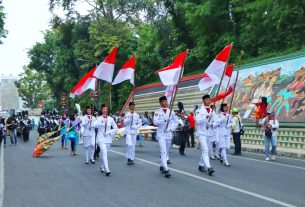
(57, 179)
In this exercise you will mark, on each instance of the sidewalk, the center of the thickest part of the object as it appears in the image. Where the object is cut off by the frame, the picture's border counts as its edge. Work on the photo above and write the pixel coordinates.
(281, 151)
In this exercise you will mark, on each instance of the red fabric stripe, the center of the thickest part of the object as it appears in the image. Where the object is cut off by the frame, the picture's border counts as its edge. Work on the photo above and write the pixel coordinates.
(177, 63)
(224, 54)
(84, 79)
(222, 95)
(130, 63)
(111, 56)
(229, 70)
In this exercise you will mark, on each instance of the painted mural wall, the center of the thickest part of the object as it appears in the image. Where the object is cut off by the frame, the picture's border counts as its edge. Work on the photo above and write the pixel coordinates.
(283, 83)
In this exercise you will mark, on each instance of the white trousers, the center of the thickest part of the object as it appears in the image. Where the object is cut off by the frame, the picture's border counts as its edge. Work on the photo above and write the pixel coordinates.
(131, 146)
(224, 155)
(204, 159)
(164, 145)
(89, 152)
(104, 149)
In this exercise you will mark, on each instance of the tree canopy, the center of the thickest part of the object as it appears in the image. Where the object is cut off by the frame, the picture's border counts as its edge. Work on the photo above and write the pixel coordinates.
(3, 32)
(156, 31)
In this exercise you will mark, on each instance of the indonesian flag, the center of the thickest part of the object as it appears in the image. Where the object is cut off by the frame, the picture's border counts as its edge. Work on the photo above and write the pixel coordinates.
(127, 72)
(169, 91)
(87, 82)
(170, 75)
(215, 70)
(105, 70)
(227, 76)
(222, 95)
(231, 85)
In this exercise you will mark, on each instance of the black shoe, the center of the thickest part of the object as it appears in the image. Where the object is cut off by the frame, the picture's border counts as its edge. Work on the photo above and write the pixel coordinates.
(92, 161)
(221, 161)
(210, 171)
(167, 174)
(102, 170)
(132, 162)
(128, 162)
(169, 162)
(87, 162)
(161, 169)
(108, 173)
(201, 169)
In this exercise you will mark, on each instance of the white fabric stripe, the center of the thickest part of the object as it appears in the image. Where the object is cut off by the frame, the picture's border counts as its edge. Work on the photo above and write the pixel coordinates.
(124, 74)
(104, 72)
(170, 77)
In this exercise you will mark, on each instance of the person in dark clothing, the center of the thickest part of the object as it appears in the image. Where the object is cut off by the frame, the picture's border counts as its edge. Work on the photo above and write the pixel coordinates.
(183, 128)
(25, 124)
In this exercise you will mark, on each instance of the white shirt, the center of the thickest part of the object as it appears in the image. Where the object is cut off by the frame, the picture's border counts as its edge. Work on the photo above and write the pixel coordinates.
(104, 125)
(274, 125)
(132, 122)
(161, 119)
(205, 120)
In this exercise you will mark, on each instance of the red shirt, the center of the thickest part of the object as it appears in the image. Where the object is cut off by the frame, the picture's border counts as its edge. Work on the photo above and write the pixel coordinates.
(191, 121)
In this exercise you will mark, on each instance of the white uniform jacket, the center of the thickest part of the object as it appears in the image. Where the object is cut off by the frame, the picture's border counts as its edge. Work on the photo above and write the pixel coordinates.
(205, 121)
(160, 120)
(86, 123)
(132, 123)
(225, 122)
(105, 133)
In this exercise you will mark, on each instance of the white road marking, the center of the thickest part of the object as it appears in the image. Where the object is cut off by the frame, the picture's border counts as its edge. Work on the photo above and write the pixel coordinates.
(287, 158)
(1, 175)
(216, 183)
(262, 161)
(269, 162)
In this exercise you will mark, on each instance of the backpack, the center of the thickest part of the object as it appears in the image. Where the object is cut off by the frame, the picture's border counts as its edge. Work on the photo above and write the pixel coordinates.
(268, 130)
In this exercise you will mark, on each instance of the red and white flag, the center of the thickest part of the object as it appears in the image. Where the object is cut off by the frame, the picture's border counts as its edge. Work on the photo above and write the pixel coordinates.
(105, 70)
(170, 75)
(215, 70)
(127, 72)
(227, 76)
(87, 82)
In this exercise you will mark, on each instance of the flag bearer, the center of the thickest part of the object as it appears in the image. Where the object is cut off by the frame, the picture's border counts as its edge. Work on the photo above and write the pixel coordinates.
(166, 123)
(107, 129)
(205, 118)
(132, 123)
(88, 135)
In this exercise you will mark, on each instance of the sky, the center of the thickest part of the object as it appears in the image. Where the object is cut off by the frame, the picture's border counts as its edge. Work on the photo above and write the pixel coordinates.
(25, 21)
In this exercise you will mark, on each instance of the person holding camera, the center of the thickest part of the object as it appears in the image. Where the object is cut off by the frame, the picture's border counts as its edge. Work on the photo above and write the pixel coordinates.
(270, 125)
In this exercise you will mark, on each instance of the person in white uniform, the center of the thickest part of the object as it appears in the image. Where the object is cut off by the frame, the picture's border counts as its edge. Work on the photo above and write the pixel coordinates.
(213, 136)
(205, 118)
(107, 129)
(88, 135)
(225, 122)
(166, 122)
(132, 123)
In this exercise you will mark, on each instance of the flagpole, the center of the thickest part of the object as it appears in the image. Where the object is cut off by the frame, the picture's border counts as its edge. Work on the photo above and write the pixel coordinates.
(218, 89)
(175, 90)
(238, 67)
(110, 96)
(227, 87)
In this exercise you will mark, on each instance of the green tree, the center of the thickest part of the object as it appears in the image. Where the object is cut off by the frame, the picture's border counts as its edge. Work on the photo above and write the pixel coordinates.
(3, 32)
(32, 87)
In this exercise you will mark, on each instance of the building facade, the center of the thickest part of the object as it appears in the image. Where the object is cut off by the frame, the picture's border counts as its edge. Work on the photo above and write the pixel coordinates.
(9, 96)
